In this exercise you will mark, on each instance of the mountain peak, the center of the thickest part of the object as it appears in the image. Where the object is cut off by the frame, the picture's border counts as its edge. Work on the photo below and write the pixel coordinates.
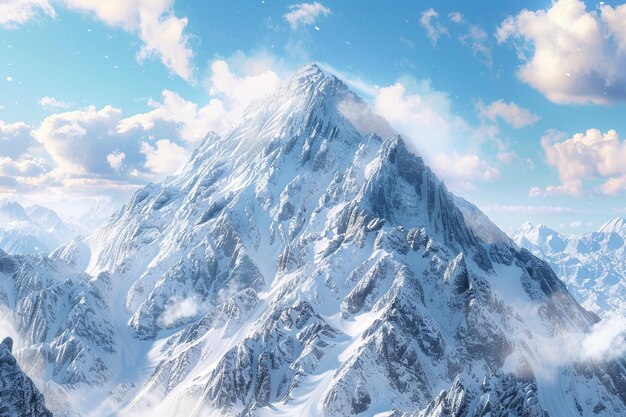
(617, 225)
(309, 68)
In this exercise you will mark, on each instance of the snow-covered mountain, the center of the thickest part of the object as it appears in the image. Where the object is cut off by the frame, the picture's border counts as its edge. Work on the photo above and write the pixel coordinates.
(593, 265)
(18, 394)
(307, 263)
(33, 230)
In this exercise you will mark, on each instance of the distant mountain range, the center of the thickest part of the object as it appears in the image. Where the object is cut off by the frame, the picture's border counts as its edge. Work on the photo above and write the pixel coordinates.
(32, 230)
(38, 229)
(593, 265)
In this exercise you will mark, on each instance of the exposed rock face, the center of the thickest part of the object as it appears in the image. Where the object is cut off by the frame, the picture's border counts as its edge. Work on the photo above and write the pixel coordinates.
(18, 394)
(303, 265)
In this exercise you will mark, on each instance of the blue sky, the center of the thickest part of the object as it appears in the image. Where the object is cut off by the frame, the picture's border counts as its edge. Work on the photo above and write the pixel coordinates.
(519, 107)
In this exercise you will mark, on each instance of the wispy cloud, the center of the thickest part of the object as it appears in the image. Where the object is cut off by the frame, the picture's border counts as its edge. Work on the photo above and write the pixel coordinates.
(429, 20)
(51, 102)
(305, 14)
(511, 113)
(477, 40)
(17, 12)
(526, 209)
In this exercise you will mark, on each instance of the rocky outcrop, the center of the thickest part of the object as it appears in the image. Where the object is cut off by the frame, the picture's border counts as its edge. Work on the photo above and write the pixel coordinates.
(18, 394)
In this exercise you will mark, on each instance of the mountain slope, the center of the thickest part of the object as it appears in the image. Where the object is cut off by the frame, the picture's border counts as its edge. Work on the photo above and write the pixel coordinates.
(593, 265)
(307, 263)
(18, 394)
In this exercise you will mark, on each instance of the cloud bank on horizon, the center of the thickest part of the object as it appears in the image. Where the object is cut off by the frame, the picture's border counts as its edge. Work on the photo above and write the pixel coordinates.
(487, 102)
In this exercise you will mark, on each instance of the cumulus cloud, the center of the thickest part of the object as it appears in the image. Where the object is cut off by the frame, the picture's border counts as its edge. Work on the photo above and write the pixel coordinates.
(98, 150)
(165, 157)
(570, 54)
(422, 114)
(52, 103)
(240, 90)
(429, 20)
(15, 139)
(305, 14)
(426, 120)
(79, 140)
(116, 160)
(179, 117)
(511, 113)
(18, 12)
(22, 167)
(585, 156)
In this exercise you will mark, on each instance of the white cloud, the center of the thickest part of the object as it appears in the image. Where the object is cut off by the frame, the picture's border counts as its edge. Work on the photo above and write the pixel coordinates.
(456, 17)
(429, 20)
(162, 33)
(569, 54)
(425, 119)
(607, 340)
(463, 168)
(506, 157)
(478, 41)
(164, 158)
(570, 188)
(240, 90)
(614, 185)
(363, 118)
(15, 139)
(578, 224)
(99, 151)
(522, 209)
(17, 12)
(116, 160)
(51, 102)
(22, 167)
(511, 113)
(472, 36)
(585, 156)
(237, 91)
(189, 121)
(79, 140)
(178, 309)
(305, 14)
(422, 115)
